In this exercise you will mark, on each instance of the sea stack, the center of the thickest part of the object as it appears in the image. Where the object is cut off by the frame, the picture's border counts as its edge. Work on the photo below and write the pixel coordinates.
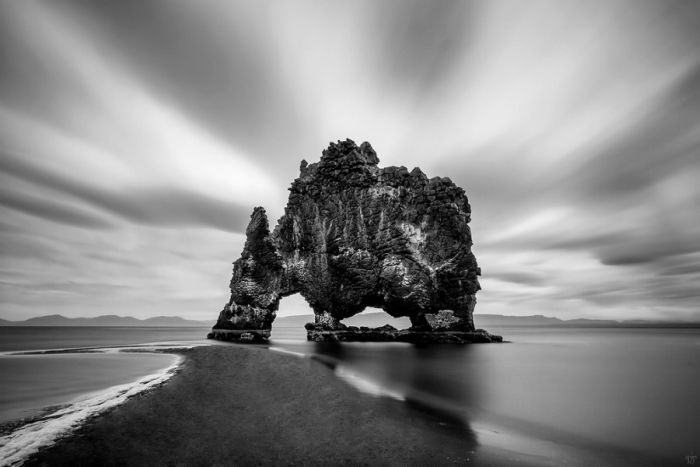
(356, 235)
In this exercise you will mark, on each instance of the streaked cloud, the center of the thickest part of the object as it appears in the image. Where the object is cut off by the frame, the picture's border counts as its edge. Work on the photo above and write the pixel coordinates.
(165, 206)
(135, 138)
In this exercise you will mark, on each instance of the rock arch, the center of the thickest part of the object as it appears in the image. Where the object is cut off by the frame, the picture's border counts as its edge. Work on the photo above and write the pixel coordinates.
(354, 235)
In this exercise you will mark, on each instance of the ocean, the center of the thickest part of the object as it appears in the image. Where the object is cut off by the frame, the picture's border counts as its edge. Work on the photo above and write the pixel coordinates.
(31, 383)
(629, 390)
(624, 390)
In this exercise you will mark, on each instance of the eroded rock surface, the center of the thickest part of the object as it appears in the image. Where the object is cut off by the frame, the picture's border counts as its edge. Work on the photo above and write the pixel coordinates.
(355, 235)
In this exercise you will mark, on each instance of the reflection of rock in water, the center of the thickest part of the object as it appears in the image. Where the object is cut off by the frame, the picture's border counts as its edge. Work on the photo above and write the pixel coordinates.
(355, 235)
(424, 377)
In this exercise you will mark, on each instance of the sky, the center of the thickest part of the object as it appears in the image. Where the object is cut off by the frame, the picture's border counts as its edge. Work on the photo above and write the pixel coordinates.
(136, 137)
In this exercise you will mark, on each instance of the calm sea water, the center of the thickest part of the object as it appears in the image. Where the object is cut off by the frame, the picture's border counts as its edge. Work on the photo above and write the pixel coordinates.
(636, 390)
(632, 389)
(30, 383)
(40, 338)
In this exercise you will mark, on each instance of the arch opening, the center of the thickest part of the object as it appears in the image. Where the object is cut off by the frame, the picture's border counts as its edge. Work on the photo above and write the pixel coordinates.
(294, 312)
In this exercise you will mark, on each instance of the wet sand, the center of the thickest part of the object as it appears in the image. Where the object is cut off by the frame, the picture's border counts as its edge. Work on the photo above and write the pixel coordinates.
(237, 405)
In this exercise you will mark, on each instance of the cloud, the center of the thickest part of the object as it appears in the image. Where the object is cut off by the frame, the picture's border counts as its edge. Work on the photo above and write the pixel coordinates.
(167, 206)
(687, 265)
(643, 252)
(67, 287)
(138, 270)
(51, 210)
(519, 277)
(17, 245)
(136, 137)
(421, 44)
(213, 63)
(92, 114)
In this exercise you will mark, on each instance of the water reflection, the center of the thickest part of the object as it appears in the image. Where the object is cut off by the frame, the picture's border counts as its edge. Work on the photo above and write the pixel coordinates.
(440, 377)
(631, 388)
(421, 377)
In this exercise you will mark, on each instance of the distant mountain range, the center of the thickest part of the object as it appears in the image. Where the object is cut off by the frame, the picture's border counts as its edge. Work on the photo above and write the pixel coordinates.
(486, 321)
(545, 321)
(107, 320)
(363, 319)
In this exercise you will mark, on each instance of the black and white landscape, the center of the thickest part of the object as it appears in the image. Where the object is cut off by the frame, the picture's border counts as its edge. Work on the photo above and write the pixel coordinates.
(442, 171)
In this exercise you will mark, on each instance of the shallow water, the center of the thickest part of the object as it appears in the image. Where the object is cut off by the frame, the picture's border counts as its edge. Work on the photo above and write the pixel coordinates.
(629, 389)
(23, 440)
(14, 338)
(58, 385)
(29, 383)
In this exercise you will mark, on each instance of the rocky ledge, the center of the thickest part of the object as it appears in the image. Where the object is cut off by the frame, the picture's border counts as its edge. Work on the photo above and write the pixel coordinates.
(356, 235)
(389, 333)
(240, 335)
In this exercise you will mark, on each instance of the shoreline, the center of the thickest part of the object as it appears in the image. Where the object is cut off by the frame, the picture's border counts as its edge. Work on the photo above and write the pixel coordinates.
(255, 406)
(21, 438)
(237, 404)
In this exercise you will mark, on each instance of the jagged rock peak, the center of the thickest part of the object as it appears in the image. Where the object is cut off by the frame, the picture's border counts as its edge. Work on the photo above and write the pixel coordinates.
(347, 152)
(258, 227)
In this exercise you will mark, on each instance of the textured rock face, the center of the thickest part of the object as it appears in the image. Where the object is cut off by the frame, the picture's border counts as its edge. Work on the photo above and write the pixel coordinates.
(355, 235)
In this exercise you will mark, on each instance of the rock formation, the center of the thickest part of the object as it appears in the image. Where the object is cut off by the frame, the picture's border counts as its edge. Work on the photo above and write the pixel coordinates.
(354, 235)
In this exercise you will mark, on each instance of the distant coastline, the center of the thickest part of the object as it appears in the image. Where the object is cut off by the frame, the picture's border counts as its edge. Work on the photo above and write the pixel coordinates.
(364, 319)
(107, 320)
(546, 321)
(488, 320)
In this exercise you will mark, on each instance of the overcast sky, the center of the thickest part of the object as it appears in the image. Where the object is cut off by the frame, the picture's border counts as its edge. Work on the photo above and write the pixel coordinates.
(136, 137)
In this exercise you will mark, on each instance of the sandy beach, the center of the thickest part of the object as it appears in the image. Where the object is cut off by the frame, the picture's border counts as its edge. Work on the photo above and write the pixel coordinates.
(237, 405)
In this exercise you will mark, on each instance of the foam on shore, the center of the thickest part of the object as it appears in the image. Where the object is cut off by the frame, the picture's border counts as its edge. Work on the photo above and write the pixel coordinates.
(16, 446)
